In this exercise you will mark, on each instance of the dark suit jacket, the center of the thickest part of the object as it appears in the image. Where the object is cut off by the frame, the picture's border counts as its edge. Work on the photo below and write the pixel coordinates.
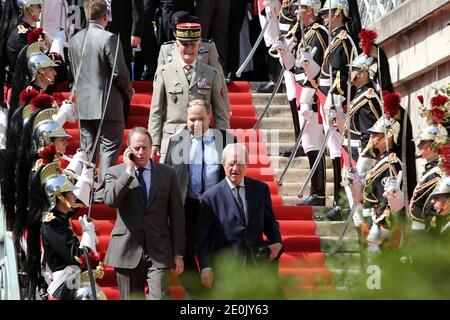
(159, 225)
(179, 149)
(219, 226)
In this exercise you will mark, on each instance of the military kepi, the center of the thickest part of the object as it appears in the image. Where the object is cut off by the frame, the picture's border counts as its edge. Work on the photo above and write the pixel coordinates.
(188, 32)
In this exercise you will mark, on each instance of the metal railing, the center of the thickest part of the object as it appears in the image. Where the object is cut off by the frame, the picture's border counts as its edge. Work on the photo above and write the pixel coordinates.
(372, 10)
(9, 281)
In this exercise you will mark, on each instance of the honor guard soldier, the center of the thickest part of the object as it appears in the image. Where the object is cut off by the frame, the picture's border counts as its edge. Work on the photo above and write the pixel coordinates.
(441, 204)
(333, 80)
(182, 80)
(207, 52)
(380, 193)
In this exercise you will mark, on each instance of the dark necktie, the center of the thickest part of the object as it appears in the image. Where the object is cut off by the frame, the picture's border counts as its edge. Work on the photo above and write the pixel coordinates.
(241, 205)
(188, 72)
(142, 184)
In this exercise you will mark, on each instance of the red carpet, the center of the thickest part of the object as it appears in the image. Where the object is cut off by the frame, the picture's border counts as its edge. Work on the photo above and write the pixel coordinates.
(303, 259)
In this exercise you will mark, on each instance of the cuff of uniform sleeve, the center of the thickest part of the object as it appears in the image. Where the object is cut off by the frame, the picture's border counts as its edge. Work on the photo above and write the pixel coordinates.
(204, 269)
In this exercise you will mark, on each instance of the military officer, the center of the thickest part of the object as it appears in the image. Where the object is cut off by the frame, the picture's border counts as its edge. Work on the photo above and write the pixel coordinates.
(207, 52)
(179, 82)
(440, 223)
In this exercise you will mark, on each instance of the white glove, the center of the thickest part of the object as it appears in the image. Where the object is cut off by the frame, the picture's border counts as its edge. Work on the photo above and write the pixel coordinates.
(364, 164)
(306, 111)
(310, 67)
(58, 43)
(352, 183)
(89, 238)
(84, 185)
(357, 217)
(272, 8)
(76, 164)
(378, 234)
(65, 113)
(395, 196)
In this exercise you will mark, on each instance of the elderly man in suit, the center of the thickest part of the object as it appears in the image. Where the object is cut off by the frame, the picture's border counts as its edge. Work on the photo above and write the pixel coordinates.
(195, 155)
(179, 82)
(234, 214)
(93, 83)
(148, 238)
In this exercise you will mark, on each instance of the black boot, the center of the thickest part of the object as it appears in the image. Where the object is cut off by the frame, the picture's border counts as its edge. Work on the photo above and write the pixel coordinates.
(267, 87)
(335, 214)
(317, 192)
(294, 111)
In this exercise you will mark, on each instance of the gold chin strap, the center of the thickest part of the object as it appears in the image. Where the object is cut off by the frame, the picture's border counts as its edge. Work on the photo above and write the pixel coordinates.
(30, 11)
(67, 203)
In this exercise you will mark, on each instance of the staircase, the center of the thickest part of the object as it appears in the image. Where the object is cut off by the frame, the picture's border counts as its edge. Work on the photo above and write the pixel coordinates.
(306, 242)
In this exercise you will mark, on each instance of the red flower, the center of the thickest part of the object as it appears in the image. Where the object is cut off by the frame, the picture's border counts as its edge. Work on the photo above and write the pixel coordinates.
(48, 154)
(367, 38)
(391, 103)
(437, 115)
(26, 95)
(444, 154)
(439, 100)
(420, 98)
(33, 35)
(42, 101)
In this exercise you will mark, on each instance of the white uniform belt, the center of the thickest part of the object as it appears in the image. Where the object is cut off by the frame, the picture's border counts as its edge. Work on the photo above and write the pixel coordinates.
(61, 276)
(284, 26)
(368, 212)
(354, 143)
(300, 77)
(324, 82)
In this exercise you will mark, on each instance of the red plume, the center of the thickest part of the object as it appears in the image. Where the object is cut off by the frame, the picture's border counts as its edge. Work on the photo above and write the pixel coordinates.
(26, 95)
(94, 259)
(439, 100)
(444, 154)
(391, 103)
(420, 98)
(367, 38)
(48, 154)
(33, 35)
(42, 101)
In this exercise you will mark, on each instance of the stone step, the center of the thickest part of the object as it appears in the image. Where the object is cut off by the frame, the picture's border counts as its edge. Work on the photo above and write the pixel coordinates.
(334, 228)
(283, 135)
(274, 111)
(294, 200)
(297, 163)
(277, 123)
(346, 277)
(343, 261)
(263, 98)
(292, 189)
(298, 175)
(349, 244)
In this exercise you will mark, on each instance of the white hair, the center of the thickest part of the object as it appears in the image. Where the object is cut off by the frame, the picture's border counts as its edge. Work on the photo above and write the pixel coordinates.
(241, 149)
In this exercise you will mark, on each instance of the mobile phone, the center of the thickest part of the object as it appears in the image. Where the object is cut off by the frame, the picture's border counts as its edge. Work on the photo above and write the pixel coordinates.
(131, 156)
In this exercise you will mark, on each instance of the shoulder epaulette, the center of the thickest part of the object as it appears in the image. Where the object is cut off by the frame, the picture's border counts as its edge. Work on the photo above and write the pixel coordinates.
(49, 216)
(370, 93)
(342, 35)
(22, 29)
(169, 42)
(315, 26)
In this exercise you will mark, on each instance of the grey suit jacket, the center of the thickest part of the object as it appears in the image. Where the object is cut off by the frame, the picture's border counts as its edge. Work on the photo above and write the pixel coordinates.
(159, 225)
(178, 155)
(171, 95)
(95, 74)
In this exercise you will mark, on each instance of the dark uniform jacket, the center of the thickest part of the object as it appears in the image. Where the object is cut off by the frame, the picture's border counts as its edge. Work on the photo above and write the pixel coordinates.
(339, 59)
(16, 41)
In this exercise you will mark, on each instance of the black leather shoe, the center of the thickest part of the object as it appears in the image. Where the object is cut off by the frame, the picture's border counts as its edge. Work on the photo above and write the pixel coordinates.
(266, 88)
(287, 153)
(334, 214)
(314, 200)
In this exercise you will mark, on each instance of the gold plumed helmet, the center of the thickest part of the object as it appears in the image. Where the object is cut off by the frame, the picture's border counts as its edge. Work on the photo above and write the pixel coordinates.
(443, 187)
(392, 127)
(436, 133)
(55, 183)
(338, 5)
(311, 4)
(45, 128)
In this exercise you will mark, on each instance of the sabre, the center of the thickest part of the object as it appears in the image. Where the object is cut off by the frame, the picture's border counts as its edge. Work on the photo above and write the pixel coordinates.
(275, 90)
(252, 52)
(404, 160)
(316, 163)
(90, 273)
(348, 123)
(292, 156)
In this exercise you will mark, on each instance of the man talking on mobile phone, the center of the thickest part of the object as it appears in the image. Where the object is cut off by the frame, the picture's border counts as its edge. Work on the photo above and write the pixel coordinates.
(148, 239)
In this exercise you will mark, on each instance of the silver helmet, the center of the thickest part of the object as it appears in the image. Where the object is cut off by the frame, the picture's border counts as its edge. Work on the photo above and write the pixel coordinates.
(436, 133)
(338, 5)
(27, 3)
(313, 4)
(443, 187)
(37, 62)
(45, 128)
(392, 127)
(55, 183)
